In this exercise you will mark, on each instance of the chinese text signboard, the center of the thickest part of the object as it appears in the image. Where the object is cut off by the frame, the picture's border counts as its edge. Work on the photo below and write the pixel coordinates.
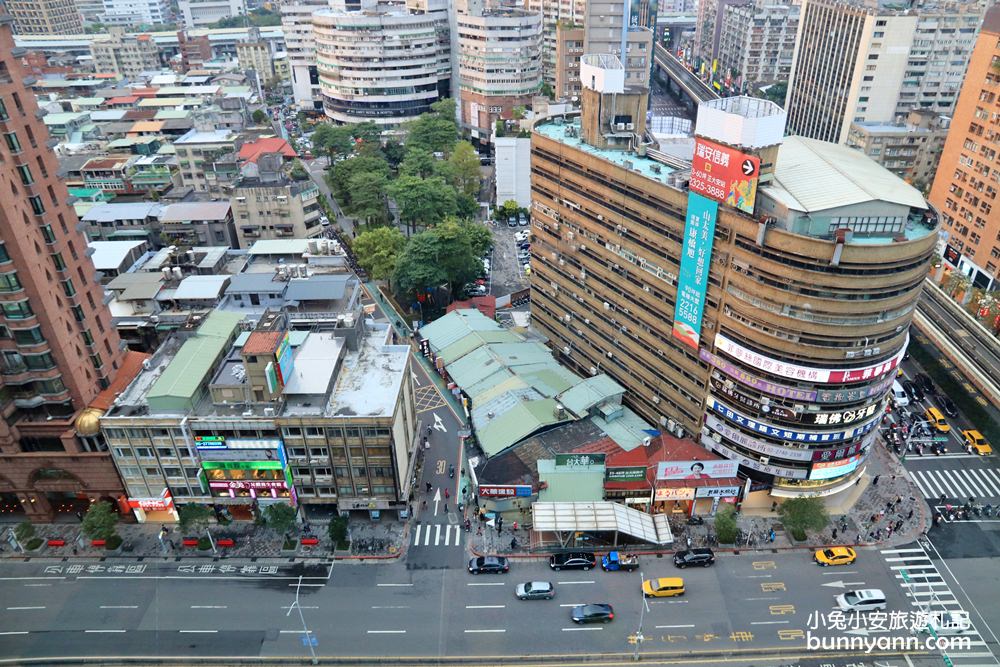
(628, 474)
(699, 231)
(580, 459)
(725, 174)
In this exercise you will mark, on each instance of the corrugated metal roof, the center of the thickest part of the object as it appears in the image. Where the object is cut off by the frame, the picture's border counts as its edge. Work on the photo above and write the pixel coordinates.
(589, 393)
(255, 282)
(194, 361)
(201, 287)
(202, 210)
(125, 211)
(570, 483)
(322, 287)
(812, 175)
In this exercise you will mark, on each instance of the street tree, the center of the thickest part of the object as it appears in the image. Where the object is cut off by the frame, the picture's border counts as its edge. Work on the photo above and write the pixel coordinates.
(367, 132)
(394, 154)
(378, 251)
(419, 162)
(957, 282)
(100, 521)
(342, 172)
(259, 116)
(479, 236)
(194, 518)
(336, 140)
(279, 517)
(508, 208)
(441, 255)
(423, 201)
(466, 206)
(24, 532)
(466, 174)
(725, 524)
(435, 131)
(368, 192)
(801, 515)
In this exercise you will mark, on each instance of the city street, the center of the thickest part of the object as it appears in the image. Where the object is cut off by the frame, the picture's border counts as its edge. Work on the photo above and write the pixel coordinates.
(757, 602)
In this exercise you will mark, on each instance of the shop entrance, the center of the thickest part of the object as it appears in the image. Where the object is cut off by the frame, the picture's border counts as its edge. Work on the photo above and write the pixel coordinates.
(10, 507)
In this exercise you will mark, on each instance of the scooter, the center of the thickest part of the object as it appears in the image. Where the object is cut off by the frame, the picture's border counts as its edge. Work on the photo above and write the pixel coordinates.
(451, 471)
(695, 520)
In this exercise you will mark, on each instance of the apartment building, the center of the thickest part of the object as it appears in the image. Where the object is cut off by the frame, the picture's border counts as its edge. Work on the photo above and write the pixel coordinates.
(203, 13)
(968, 174)
(137, 12)
(241, 411)
(380, 63)
(555, 14)
(58, 347)
(207, 158)
(270, 205)
(44, 17)
(296, 24)
(255, 54)
(910, 150)
(864, 63)
(757, 42)
(124, 54)
(790, 308)
(603, 23)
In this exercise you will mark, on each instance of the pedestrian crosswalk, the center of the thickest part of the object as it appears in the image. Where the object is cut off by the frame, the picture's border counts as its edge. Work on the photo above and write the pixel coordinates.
(960, 483)
(928, 592)
(437, 535)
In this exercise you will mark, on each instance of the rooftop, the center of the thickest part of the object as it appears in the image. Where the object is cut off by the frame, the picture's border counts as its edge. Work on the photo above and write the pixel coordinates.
(249, 152)
(110, 254)
(567, 131)
(812, 176)
(127, 211)
(201, 288)
(206, 137)
(314, 365)
(187, 211)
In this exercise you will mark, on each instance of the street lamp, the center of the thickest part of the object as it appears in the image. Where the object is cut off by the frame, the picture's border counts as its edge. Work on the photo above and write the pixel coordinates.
(642, 614)
(307, 633)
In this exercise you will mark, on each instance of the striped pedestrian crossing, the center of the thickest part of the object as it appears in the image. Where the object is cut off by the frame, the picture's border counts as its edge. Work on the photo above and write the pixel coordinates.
(960, 483)
(437, 535)
(928, 592)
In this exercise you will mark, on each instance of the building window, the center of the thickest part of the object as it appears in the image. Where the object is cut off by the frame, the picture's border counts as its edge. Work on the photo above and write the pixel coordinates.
(24, 171)
(12, 142)
(36, 205)
(31, 336)
(9, 282)
(17, 310)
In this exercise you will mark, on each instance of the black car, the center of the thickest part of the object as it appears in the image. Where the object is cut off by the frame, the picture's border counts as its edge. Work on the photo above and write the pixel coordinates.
(593, 613)
(924, 382)
(702, 557)
(913, 391)
(572, 561)
(946, 405)
(489, 565)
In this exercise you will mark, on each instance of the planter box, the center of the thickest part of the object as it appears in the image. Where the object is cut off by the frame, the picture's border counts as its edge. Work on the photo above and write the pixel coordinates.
(225, 542)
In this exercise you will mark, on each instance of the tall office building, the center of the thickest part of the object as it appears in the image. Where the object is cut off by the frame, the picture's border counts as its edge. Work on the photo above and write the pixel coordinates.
(790, 304)
(499, 65)
(603, 24)
(296, 24)
(137, 12)
(968, 175)
(380, 62)
(58, 346)
(203, 13)
(45, 17)
(858, 62)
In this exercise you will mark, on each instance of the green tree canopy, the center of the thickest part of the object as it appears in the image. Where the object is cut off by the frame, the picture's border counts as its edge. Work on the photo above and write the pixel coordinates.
(378, 250)
(340, 175)
(298, 171)
(368, 132)
(423, 201)
(437, 256)
(508, 208)
(418, 162)
(368, 192)
(279, 517)
(100, 521)
(334, 139)
(436, 130)
(479, 236)
(465, 169)
(804, 514)
(194, 518)
(394, 154)
(725, 524)
(259, 116)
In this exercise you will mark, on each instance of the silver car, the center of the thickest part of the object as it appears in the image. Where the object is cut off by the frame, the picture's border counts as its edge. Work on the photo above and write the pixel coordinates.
(535, 590)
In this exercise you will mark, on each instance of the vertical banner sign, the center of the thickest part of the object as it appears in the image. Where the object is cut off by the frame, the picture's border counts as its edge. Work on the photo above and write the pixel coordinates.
(725, 174)
(699, 233)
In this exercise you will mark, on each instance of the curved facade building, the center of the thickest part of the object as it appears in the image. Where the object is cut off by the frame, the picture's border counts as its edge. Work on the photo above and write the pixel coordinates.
(385, 66)
(806, 302)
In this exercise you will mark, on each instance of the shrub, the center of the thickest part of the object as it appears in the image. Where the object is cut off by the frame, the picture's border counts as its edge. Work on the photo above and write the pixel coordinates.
(289, 544)
(113, 542)
(34, 543)
(725, 524)
(100, 521)
(24, 531)
(803, 514)
(798, 534)
(279, 517)
(204, 544)
(338, 532)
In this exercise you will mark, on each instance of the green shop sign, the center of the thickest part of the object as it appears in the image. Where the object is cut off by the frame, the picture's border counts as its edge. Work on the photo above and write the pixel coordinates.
(631, 474)
(579, 459)
(241, 465)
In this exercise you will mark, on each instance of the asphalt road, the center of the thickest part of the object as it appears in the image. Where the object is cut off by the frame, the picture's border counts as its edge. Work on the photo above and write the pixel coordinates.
(508, 274)
(746, 604)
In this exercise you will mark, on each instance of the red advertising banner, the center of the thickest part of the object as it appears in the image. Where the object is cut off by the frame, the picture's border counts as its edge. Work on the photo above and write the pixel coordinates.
(725, 174)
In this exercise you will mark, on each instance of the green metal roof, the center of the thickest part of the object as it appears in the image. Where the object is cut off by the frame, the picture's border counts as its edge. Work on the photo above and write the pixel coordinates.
(590, 392)
(183, 377)
(570, 483)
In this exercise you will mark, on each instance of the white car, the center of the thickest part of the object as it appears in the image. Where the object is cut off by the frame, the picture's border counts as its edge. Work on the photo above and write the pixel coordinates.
(866, 599)
(521, 236)
(946, 623)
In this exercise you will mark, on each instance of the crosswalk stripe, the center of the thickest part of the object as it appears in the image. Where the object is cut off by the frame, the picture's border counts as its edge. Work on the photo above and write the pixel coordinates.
(993, 476)
(987, 480)
(423, 537)
(901, 551)
(920, 484)
(955, 483)
(931, 482)
(940, 488)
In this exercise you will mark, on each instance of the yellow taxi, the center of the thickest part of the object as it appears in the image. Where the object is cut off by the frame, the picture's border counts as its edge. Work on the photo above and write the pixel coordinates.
(975, 439)
(937, 420)
(835, 556)
(666, 587)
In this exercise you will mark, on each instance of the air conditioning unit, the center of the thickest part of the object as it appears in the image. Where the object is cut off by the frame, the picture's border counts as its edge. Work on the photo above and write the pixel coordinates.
(593, 370)
(645, 288)
(656, 399)
(646, 441)
(567, 317)
(663, 420)
(610, 356)
(607, 306)
(586, 321)
(671, 424)
(562, 262)
(567, 349)
(716, 437)
(629, 126)
(620, 126)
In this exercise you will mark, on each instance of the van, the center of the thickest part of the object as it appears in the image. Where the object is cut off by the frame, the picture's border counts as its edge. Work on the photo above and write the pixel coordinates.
(899, 396)
(867, 599)
(937, 420)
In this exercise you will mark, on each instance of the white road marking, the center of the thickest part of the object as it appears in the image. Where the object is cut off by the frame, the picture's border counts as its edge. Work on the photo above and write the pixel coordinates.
(14, 632)
(209, 606)
(386, 632)
(23, 608)
(838, 573)
(756, 599)
(300, 607)
(498, 630)
(119, 606)
(768, 622)
(38, 584)
(207, 632)
(297, 584)
(579, 629)
(295, 632)
(438, 424)
(105, 631)
(498, 583)
(566, 583)
(758, 576)
(28, 578)
(661, 627)
(389, 607)
(388, 585)
(485, 606)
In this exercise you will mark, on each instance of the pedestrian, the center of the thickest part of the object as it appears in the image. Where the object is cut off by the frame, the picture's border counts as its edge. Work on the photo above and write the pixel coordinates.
(446, 507)
(874, 519)
(899, 524)
(857, 481)
(876, 478)
(689, 541)
(909, 515)
(888, 506)
(429, 487)
(771, 536)
(79, 515)
(834, 533)
(857, 539)
(899, 499)
(514, 526)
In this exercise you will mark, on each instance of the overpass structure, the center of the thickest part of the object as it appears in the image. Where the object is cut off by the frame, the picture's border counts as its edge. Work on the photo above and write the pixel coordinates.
(681, 81)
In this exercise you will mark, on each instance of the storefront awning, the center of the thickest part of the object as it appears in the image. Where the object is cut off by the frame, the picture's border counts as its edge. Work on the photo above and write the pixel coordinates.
(599, 517)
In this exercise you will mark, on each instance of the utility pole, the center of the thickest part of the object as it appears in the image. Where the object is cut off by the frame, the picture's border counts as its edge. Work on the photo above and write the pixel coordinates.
(642, 615)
